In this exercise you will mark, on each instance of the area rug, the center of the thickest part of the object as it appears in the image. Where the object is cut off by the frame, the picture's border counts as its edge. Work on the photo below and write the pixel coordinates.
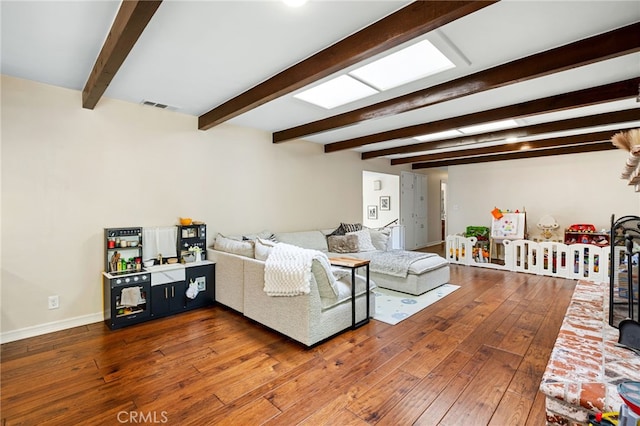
(393, 307)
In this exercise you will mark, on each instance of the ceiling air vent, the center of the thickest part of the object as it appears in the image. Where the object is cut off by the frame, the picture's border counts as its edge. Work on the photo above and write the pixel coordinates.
(158, 105)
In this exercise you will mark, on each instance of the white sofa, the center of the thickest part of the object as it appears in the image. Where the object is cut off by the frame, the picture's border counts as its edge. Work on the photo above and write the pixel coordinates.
(311, 318)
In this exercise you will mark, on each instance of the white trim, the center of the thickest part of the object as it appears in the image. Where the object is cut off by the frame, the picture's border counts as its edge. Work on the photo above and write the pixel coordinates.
(50, 327)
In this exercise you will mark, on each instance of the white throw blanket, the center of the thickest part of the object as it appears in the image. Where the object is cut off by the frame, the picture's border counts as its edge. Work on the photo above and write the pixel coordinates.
(287, 270)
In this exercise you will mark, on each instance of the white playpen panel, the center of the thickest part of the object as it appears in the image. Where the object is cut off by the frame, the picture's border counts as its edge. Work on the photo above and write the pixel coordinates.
(458, 249)
(576, 261)
(554, 257)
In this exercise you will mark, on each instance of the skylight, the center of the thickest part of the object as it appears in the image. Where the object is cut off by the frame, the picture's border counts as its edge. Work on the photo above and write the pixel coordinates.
(438, 135)
(409, 64)
(417, 61)
(487, 127)
(336, 92)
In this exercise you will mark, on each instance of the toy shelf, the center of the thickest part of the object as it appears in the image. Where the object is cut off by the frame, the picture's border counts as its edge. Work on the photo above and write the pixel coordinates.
(600, 239)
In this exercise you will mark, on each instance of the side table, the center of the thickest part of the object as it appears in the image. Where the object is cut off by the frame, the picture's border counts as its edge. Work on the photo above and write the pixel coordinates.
(353, 264)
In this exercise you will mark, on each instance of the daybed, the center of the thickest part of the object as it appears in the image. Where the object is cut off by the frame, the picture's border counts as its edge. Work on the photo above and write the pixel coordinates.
(424, 271)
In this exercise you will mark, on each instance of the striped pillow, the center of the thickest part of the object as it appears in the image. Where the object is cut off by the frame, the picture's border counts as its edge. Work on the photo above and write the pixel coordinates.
(346, 227)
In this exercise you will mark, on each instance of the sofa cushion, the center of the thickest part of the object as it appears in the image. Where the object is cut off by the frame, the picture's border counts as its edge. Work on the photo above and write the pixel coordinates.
(314, 240)
(326, 285)
(364, 240)
(228, 245)
(343, 243)
(429, 264)
(380, 238)
(263, 248)
(344, 290)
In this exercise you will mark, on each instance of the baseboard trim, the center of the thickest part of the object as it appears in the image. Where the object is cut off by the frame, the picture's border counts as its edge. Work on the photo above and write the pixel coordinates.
(50, 327)
(427, 245)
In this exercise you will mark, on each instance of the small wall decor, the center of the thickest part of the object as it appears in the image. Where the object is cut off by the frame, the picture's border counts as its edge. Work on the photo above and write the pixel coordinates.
(385, 202)
(372, 212)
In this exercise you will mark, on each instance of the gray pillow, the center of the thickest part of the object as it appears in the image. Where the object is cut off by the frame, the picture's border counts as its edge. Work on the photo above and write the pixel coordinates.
(343, 243)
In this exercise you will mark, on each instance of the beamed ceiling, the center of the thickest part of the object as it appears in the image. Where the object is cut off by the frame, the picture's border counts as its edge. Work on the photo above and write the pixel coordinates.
(567, 72)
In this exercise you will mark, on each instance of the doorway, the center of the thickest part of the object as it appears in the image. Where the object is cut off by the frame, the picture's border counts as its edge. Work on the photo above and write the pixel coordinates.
(443, 208)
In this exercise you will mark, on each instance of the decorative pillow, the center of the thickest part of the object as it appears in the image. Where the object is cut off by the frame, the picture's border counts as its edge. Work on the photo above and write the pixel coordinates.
(364, 240)
(343, 243)
(347, 227)
(380, 238)
(265, 235)
(228, 245)
(263, 248)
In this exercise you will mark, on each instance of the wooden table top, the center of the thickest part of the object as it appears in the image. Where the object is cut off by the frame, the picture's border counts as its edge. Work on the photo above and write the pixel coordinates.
(349, 262)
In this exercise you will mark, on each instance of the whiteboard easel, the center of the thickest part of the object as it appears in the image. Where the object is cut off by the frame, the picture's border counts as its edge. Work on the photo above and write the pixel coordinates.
(511, 226)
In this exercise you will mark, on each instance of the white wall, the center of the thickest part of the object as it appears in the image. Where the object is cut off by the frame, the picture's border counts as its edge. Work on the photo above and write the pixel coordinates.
(69, 172)
(577, 188)
(390, 186)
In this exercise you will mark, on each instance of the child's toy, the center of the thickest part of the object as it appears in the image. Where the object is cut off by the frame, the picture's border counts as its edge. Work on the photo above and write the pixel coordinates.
(582, 228)
(480, 232)
(547, 226)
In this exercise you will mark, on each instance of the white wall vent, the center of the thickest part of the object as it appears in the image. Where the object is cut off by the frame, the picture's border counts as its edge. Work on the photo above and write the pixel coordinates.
(158, 105)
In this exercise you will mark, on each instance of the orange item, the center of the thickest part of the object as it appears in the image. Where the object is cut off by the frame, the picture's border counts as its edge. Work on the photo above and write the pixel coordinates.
(497, 214)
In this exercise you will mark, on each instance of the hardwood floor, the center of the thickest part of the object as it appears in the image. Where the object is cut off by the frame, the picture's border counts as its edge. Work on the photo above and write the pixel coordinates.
(473, 358)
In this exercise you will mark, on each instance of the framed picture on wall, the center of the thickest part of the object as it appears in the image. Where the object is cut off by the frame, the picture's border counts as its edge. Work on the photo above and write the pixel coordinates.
(372, 212)
(385, 202)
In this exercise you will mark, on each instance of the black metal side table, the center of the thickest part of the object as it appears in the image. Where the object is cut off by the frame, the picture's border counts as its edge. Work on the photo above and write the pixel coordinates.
(353, 264)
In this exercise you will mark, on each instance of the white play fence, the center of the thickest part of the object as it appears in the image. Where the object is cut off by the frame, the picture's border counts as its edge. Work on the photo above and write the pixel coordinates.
(575, 261)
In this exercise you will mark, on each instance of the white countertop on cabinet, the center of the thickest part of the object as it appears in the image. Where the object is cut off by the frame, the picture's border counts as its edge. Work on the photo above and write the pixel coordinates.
(160, 268)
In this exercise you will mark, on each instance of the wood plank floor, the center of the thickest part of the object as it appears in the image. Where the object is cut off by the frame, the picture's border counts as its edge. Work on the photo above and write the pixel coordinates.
(473, 358)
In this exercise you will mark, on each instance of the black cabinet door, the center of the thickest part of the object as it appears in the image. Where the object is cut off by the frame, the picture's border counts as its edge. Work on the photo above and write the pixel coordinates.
(168, 298)
(177, 298)
(204, 278)
(159, 300)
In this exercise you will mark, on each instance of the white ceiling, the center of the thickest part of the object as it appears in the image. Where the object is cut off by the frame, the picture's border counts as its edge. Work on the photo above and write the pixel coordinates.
(194, 55)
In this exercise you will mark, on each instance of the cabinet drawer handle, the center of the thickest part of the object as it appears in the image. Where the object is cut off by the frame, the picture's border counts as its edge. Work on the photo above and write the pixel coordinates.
(166, 293)
(173, 291)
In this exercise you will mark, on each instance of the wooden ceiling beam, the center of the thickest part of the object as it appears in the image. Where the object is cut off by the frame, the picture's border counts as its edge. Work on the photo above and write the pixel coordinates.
(615, 117)
(131, 20)
(505, 148)
(576, 149)
(587, 51)
(580, 98)
(416, 19)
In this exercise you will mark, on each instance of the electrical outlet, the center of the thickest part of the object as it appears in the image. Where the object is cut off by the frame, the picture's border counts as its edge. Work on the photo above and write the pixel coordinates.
(54, 302)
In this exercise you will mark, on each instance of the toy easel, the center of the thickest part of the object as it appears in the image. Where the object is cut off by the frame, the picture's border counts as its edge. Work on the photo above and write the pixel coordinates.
(505, 226)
